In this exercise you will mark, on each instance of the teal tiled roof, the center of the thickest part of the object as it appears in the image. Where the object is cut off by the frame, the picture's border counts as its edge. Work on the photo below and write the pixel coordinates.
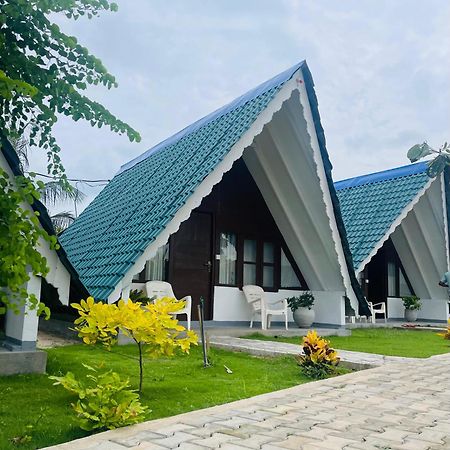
(139, 202)
(371, 203)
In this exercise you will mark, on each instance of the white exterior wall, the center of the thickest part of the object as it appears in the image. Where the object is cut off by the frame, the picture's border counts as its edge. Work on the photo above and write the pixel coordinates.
(432, 309)
(230, 305)
(22, 327)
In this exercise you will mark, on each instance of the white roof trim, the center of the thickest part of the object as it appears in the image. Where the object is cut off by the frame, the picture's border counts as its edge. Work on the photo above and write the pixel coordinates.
(393, 226)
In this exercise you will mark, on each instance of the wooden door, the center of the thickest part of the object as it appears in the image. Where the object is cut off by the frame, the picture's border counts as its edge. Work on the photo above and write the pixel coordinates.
(191, 261)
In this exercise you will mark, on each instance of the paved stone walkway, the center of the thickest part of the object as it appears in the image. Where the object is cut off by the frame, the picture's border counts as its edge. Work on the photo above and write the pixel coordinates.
(46, 339)
(354, 360)
(400, 405)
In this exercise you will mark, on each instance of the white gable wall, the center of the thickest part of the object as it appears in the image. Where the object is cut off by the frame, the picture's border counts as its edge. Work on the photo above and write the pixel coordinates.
(421, 243)
(282, 163)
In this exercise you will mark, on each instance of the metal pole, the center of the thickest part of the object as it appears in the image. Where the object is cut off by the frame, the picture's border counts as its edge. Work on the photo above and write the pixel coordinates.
(202, 331)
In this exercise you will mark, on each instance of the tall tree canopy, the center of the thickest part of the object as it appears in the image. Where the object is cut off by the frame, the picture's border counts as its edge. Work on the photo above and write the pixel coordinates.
(43, 73)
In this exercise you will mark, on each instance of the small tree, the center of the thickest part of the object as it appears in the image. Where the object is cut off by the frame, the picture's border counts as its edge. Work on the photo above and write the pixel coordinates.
(152, 327)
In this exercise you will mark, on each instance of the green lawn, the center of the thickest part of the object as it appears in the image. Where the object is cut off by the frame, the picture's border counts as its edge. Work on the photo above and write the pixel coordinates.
(384, 341)
(171, 386)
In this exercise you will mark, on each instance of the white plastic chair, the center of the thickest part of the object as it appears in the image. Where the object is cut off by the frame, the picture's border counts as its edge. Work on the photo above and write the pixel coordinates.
(378, 308)
(255, 297)
(160, 289)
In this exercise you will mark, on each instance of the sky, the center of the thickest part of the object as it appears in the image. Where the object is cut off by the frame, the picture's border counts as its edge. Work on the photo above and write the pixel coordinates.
(381, 71)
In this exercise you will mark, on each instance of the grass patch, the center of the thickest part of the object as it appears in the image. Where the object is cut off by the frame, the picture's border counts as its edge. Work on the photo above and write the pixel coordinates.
(171, 386)
(384, 341)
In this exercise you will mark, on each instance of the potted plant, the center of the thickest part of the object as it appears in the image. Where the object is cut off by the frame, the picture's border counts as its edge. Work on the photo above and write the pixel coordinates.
(301, 307)
(412, 304)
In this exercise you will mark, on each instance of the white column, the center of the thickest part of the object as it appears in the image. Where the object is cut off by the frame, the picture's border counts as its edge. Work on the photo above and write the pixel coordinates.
(125, 294)
(21, 328)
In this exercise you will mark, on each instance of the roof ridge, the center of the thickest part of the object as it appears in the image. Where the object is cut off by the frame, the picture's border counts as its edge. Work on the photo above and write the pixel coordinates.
(383, 175)
(237, 102)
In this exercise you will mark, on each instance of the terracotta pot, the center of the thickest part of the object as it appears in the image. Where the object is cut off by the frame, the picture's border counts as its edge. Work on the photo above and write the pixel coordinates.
(304, 317)
(410, 315)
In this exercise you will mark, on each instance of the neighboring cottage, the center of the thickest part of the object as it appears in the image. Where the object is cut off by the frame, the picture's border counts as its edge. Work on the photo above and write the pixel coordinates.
(397, 228)
(242, 196)
(18, 349)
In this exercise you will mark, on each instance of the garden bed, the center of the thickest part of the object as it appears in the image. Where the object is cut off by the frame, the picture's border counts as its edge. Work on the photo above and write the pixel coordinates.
(382, 341)
(34, 411)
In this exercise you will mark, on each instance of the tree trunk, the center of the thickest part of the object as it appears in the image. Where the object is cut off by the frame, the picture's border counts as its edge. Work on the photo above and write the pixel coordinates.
(141, 368)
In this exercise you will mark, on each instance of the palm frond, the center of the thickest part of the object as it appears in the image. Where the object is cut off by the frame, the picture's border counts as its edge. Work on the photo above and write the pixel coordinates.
(62, 220)
(55, 192)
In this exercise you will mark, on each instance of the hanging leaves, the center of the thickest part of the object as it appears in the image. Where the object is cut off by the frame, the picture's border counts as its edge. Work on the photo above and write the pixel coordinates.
(20, 236)
(44, 71)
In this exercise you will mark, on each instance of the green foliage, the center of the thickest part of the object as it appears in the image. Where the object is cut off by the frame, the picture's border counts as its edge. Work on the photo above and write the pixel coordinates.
(411, 302)
(319, 360)
(20, 232)
(104, 400)
(317, 371)
(26, 435)
(437, 165)
(138, 295)
(305, 300)
(44, 71)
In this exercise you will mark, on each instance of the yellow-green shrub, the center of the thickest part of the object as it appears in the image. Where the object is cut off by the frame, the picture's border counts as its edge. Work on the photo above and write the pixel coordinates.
(104, 400)
(319, 359)
(153, 327)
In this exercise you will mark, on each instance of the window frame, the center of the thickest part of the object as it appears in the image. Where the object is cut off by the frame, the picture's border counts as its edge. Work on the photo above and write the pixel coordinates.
(277, 243)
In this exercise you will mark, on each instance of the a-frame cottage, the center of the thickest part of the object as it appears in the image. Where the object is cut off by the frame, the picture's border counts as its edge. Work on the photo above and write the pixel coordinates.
(242, 196)
(397, 228)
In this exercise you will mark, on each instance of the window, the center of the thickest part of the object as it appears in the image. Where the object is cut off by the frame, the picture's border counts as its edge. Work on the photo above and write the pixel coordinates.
(289, 278)
(268, 265)
(156, 268)
(249, 263)
(228, 259)
(244, 260)
(397, 283)
(392, 279)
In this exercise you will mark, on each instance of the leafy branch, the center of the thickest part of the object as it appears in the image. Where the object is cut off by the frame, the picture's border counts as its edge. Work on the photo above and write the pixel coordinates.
(44, 71)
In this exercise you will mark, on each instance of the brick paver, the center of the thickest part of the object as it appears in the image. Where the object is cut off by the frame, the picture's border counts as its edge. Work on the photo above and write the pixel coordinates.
(402, 404)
